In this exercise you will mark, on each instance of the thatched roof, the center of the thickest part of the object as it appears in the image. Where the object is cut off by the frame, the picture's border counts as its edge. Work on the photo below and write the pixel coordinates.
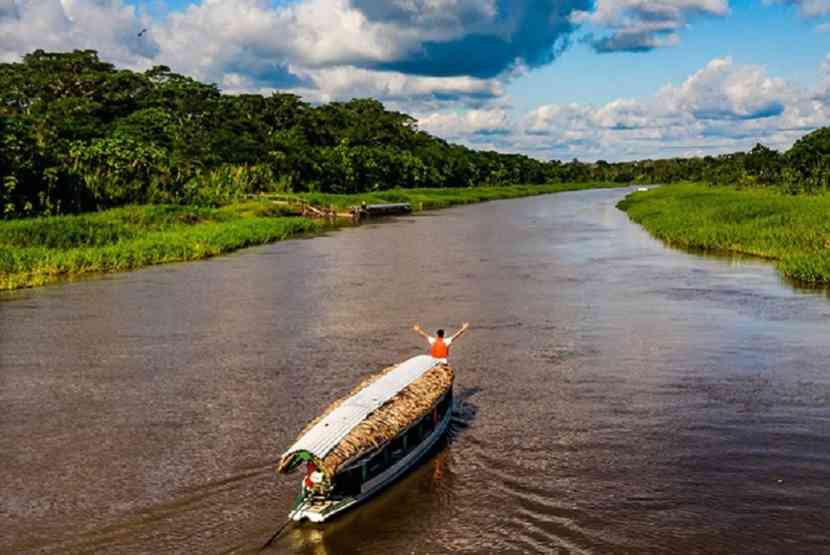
(385, 423)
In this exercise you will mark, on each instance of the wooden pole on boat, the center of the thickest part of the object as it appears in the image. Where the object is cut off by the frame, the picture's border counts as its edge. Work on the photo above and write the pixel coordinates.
(277, 533)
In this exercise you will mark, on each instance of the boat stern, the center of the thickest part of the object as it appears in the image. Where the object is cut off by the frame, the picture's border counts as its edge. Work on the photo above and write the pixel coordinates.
(317, 509)
(306, 512)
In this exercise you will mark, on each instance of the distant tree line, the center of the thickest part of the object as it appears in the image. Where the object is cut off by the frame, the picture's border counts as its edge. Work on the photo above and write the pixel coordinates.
(78, 134)
(804, 168)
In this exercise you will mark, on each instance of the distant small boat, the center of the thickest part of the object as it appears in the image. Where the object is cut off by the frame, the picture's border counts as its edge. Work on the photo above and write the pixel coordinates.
(371, 437)
(371, 210)
(386, 209)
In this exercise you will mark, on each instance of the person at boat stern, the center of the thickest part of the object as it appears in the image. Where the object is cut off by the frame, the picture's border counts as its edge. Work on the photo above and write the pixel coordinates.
(440, 345)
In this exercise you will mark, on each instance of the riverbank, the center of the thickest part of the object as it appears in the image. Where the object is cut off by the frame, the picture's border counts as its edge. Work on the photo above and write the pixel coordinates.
(792, 230)
(431, 199)
(39, 251)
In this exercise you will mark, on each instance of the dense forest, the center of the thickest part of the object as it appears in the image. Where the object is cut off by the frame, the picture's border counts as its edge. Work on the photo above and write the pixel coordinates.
(78, 134)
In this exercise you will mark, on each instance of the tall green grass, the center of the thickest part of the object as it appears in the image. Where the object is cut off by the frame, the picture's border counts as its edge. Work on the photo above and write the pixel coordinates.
(793, 230)
(41, 250)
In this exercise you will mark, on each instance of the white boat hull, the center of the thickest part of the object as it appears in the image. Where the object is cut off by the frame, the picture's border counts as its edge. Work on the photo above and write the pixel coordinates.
(320, 510)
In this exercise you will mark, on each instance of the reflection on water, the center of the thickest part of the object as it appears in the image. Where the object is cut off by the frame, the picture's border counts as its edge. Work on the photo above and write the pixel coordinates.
(613, 396)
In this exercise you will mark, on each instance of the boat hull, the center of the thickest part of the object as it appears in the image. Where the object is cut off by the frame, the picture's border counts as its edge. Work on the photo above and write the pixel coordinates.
(321, 510)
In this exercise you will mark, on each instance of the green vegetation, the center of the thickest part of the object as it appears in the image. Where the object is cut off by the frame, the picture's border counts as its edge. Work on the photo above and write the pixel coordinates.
(763, 203)
(427, 199)
(80, 138)
(793, 230)
(78, 135)
(36, 251)
(40, 250)
(804, 168)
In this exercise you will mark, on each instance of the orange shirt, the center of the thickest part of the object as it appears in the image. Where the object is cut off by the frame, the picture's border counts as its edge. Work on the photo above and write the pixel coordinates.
(440, 347)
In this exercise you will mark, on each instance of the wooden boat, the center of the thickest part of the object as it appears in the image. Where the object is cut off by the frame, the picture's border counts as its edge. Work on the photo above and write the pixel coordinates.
(371, 437)
(371, 210)
(386, 209)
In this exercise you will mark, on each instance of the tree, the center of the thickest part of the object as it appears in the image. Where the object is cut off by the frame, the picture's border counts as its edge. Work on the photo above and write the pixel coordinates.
(77, 133)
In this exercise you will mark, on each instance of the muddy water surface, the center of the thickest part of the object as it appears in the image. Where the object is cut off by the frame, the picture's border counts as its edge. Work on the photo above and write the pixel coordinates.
(615, 395)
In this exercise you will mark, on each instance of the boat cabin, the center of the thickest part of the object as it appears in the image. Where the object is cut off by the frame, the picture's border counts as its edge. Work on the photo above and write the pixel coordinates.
(350, 480)
(370, 437)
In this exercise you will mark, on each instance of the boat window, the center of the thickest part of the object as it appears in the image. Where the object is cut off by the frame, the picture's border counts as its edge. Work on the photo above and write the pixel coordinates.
(427, 425)
(349, 483)
(396, 450)
(376, 465)
(443, 406)
(413, 437)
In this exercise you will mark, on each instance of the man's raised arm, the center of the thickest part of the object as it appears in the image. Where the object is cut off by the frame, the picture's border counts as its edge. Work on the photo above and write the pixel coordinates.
(420, 331)
(464, 328)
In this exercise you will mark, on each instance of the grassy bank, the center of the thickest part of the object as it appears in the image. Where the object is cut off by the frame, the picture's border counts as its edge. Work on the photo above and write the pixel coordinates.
(38, 251)
(42, 250)
(429, 199)
(792, 230)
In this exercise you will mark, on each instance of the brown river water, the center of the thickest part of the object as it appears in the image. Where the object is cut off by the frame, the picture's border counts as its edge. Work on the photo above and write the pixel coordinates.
(614, 395)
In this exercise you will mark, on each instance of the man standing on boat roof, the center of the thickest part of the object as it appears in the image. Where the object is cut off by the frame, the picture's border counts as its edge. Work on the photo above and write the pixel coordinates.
(439, 345)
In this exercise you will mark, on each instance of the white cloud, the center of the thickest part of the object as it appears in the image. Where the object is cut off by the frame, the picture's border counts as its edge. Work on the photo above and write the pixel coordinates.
(412, 55)
(724, 91)
(823, 94)
(491, 121)
(807, 8)
(723, 107)
(396, 50)
(106, 25)
(640, 25)
(346, 81)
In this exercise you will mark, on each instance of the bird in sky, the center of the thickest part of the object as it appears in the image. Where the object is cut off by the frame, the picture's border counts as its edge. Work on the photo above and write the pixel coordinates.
(142, 32)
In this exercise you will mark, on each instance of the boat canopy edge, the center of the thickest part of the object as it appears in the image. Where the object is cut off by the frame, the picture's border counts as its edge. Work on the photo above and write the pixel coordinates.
(324, 436)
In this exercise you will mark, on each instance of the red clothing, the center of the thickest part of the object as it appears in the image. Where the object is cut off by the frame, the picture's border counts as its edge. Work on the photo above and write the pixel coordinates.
(440, 349)
(311, 468)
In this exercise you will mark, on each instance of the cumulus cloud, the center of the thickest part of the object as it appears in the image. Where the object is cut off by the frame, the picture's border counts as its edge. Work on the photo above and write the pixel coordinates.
(482, 39)
(447, 62)
(807, 8)
(723, 107)
(106, 25)
(724, 91)
(493, 121)
(438, 50)
(346, 82)
(642, 25)
(439, 38)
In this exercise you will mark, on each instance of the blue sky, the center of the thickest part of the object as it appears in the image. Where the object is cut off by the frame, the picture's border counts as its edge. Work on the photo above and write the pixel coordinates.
(610, 79)
(773, 36)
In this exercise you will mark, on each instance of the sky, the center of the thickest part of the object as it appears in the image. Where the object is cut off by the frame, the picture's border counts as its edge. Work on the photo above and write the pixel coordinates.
(554, 79)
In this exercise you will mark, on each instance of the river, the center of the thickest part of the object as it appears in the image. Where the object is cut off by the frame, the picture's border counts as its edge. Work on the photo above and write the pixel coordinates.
(614, 395)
